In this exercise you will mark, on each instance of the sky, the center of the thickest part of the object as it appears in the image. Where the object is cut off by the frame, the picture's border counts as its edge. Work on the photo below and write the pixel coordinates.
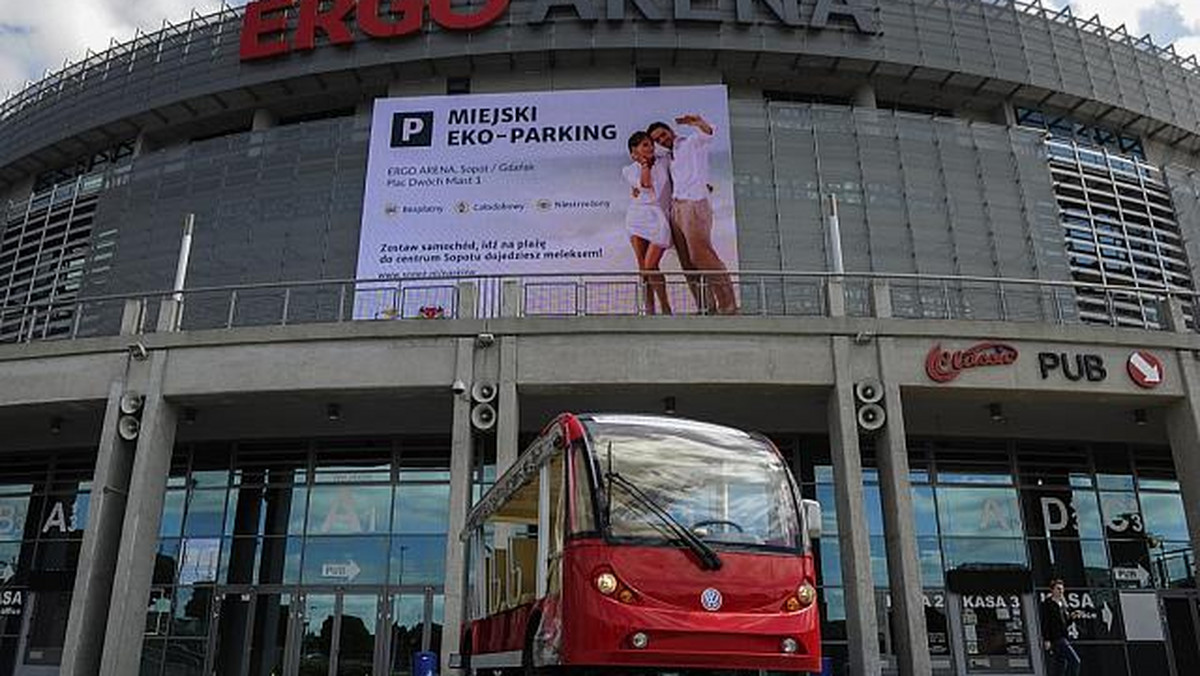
(40, 34)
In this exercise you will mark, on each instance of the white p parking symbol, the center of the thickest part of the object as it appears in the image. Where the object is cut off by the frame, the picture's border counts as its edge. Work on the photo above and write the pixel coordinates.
(412, 130)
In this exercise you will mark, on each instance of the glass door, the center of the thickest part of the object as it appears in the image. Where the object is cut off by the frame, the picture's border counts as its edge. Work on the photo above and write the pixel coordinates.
(994, 634)
(339, 635)
(1182, 612)
(250, 633)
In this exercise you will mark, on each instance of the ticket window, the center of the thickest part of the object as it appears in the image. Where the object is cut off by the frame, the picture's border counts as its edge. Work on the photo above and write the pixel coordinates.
(995, 633)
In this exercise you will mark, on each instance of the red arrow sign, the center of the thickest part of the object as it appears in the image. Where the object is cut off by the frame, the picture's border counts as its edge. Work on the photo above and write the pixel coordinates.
(1145, 370)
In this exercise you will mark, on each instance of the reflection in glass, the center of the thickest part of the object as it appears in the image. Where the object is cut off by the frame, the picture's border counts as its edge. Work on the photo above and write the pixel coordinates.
(172, 514)
(356, 639)
(1173, 564)
(983, 551)
(229, 653)
(989, 512)
(261, 560)
(166, 561)
(833, 613)
(345, 560)
(270, 635)
(184, 658)
(418, 559)
(879, 567)
(408, 617)
(349, 510)
(1121, 513)
(924, 510)
(422, 508)
(205, 512)
(316, 641)
(1164, 517)
(266, 510)
(191, 611)
(930, 553)
(829, 562)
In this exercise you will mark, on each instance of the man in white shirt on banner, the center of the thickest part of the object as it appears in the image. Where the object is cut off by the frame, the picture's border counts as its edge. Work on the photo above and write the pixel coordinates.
(691, 214)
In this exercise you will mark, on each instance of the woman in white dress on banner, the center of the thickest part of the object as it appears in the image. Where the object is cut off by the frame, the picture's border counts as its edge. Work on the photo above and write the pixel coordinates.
(646, 219)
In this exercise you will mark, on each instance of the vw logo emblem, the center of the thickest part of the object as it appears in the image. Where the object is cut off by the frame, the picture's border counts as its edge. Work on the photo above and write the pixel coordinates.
(711, 599)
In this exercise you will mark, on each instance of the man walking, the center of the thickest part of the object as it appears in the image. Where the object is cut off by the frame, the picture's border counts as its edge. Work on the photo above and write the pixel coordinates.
(691, 214)
(1064, 661)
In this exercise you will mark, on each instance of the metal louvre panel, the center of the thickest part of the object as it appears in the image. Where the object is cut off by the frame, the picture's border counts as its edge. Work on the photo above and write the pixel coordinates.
(1018, 43)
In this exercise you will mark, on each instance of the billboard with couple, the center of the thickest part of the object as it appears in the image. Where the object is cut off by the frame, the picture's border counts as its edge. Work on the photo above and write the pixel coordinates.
(555, 183)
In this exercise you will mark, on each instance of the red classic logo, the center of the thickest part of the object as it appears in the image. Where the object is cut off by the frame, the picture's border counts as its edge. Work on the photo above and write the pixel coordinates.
(942, 366)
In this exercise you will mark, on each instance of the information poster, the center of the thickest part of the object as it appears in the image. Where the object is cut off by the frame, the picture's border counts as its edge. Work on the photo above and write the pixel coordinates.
(546, 183)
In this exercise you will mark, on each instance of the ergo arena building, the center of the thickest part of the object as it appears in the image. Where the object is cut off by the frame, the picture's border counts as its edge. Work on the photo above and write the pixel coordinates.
(1018, 218)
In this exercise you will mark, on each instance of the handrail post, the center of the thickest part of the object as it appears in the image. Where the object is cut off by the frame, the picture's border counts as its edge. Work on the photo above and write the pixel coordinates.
(341, 312)
(510, 297)
(1175, 318)
(881, 298)
(287, 302)
(468, 295)
(233, 296)
(170, 312)
(76, 319)
(835, 296)
(131, 316)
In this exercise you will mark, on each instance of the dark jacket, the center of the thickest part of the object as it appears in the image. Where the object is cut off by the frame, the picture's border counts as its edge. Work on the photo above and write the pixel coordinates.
(1054, 620)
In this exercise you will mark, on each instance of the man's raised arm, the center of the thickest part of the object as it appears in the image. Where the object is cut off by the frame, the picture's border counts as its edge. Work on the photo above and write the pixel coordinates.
(696, 121)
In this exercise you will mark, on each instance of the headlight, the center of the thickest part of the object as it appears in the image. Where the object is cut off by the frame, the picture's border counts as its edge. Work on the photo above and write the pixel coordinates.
(805, 594)
(606, 583)
(789, 645)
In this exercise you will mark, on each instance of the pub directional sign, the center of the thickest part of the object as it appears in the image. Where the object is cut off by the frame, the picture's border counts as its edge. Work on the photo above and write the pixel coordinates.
(1144, 369)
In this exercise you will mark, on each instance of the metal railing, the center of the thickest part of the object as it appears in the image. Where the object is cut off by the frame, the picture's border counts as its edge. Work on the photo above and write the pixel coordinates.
(745, 294)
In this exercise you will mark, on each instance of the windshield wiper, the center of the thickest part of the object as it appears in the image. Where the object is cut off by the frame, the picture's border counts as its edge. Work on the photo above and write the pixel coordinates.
(708, 557)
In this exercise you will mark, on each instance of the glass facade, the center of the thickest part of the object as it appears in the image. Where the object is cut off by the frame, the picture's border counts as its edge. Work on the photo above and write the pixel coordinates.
(44, 501)
(1104, 518)
(349, 533)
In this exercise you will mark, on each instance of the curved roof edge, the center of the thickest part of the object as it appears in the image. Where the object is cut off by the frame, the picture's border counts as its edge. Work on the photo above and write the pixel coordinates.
(72, 73)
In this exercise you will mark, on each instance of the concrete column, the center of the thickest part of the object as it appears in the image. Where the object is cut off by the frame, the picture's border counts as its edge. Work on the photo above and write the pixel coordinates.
(854, 541)
(899, 529)
(139, 532)
(84, 641)
(1183, 430)
(508, 424)
(461, 452)
(864, 96)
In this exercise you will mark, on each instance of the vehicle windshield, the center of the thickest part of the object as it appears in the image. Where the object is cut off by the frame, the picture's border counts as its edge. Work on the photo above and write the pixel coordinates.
(722, 484)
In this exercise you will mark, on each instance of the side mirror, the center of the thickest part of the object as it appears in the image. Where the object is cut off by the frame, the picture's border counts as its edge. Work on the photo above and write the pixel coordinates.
(812, 518)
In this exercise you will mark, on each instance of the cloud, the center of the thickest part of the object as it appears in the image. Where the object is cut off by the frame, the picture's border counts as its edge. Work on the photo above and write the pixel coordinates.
(1167, 21)
(40, 35)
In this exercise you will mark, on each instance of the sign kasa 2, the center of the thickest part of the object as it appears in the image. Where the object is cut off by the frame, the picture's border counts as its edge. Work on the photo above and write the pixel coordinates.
(267, 27)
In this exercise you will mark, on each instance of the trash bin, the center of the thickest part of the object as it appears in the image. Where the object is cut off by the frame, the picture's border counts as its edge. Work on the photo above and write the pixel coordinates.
(826, 666)
(425, 663)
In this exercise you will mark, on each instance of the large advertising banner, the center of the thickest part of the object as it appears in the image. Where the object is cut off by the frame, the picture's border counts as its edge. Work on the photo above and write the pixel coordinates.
(552, 183)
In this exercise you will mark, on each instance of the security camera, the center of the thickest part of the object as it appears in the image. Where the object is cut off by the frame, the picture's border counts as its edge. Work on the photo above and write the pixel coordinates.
(458, 387)
(485, 340)
(139, 351)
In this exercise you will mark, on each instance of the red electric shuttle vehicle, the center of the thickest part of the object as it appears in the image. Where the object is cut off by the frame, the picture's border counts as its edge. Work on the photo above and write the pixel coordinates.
(642, 542)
